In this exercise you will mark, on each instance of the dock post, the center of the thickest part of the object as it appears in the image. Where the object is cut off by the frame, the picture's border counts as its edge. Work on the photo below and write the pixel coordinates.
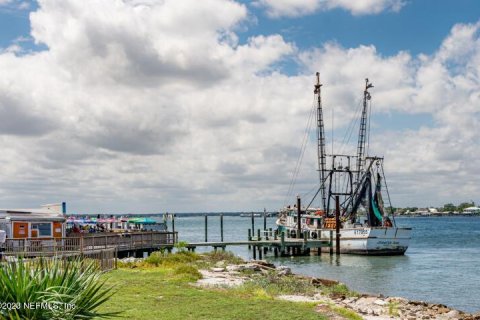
(299, 217)
(221, 227)
(264, 219)
(249, 238)
(254, 253)
(173, 222)
(253, 225)
(331, 242)
(337, 225)
(206, 228)
(260, 252)
(275, 251)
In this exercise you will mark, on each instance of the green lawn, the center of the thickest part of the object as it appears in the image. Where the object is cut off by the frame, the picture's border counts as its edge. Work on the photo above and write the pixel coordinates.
(159, 293)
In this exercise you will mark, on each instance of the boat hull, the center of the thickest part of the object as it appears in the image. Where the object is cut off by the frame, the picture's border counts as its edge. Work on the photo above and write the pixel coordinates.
(380, 241)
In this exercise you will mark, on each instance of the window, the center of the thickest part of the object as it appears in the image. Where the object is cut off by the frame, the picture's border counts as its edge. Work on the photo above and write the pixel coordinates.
(44, 229)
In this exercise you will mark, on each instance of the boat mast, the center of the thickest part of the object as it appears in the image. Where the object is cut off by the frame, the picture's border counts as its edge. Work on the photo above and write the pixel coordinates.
(363, 132)
(321, 141)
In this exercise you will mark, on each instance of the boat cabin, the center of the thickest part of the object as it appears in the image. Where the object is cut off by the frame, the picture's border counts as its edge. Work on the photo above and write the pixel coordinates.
(44, 223)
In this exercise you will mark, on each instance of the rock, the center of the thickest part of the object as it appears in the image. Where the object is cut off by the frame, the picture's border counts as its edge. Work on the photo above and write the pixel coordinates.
(283, 270)
(218, 269)
(452, 314)
(235, 268)
(443, 310)
(349, 300)
(130, 260)
(380, 302)
(263, 263)
(220, 264)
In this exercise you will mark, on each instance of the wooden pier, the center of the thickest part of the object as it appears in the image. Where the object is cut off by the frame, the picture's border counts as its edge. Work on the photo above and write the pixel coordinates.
(270, 241)
(124, 244)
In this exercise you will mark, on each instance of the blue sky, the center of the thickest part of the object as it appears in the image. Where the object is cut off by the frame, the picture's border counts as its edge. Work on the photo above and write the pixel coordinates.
(419, 27)
(189, 105)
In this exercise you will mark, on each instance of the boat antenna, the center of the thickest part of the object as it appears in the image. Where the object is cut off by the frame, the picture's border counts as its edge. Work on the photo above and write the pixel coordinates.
(363, 131)
(321, 140)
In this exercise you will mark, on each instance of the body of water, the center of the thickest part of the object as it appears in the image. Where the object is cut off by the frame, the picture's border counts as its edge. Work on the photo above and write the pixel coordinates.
(441, 265)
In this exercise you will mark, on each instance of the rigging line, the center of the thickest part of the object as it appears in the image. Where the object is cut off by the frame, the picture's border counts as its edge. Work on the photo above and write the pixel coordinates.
(351, 126)
(368, 132)
(318, 191)
(306, 194)
(302, 152)
(388, 195)
(333, 117)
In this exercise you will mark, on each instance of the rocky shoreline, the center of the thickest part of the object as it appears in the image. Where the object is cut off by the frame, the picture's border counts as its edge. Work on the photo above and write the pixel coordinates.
(370, 307)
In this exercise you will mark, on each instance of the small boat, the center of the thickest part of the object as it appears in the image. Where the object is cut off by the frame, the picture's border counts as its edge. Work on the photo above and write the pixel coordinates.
(351, 193)
(250, 214)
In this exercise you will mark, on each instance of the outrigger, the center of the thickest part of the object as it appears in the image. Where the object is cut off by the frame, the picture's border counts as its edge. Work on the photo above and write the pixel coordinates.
(354, 184)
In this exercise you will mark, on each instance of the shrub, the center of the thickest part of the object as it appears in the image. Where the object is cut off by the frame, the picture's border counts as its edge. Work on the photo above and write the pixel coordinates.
(57, 289)
(339, 290)
(156, 258)
(226, 256)
(190, 273)
(273, 285)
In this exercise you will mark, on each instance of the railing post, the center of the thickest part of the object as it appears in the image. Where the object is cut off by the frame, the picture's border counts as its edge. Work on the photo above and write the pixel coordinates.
(81, 246)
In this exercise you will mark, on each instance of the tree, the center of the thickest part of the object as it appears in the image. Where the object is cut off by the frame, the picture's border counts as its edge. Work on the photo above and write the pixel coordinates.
(449, 207)
(464, 205)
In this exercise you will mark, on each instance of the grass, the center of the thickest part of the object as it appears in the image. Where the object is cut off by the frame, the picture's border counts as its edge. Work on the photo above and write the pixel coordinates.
(160, 287)
(273, 285)
(164, 293)
(393, 309)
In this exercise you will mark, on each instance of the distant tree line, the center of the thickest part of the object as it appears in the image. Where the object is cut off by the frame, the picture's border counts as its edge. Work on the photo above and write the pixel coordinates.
(448, 207)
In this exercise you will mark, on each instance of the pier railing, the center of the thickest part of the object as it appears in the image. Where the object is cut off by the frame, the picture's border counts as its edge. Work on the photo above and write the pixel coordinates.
(86, 243)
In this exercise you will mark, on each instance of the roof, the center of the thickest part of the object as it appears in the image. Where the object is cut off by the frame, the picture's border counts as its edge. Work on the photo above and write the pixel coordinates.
(43, 214)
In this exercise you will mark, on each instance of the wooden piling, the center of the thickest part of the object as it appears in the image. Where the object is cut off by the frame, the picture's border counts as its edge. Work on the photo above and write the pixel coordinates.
(221, 227)
(337, 224)
(173, 222)
(253, 224)
(249, 238)
(206, 228)
(331, 242)
(264, 219)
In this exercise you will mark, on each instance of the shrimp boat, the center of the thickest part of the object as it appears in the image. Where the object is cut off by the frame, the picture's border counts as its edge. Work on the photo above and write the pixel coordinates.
(351, 196)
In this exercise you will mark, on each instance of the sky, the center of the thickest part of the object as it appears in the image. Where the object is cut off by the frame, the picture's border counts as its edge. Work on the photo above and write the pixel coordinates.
(119, 106)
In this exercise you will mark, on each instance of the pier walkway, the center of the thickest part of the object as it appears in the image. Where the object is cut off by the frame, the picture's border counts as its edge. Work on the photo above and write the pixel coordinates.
(271, 242)
(104, 246)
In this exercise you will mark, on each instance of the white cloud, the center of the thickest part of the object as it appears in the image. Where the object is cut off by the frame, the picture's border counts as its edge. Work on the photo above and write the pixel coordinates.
(150, 106)
(295, 8)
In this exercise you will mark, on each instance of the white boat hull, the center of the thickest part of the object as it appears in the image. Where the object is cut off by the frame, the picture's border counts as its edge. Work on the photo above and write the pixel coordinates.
(367, 240)
(372, 241)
